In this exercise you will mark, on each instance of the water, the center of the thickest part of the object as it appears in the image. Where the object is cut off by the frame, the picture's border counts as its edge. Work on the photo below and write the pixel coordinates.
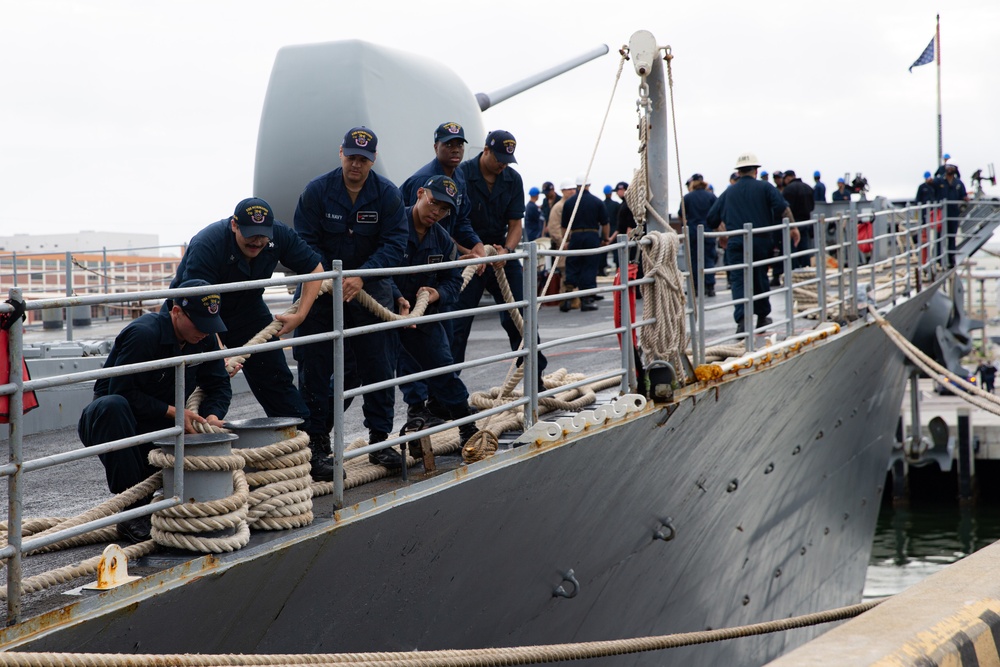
(913, 543)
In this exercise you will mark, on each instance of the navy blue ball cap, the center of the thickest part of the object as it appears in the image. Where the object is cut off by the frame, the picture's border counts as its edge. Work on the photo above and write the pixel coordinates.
(203, 309)
(255, 218)
(443, 189)
(448, 131)
(360, 141)
(622, 185)
(547, 186)
(502, 143)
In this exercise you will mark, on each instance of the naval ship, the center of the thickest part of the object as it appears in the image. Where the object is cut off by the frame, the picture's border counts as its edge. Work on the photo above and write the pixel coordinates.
(704, 494)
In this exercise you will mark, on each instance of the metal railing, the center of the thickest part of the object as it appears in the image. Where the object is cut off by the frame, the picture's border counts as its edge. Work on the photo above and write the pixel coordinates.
(907, 240)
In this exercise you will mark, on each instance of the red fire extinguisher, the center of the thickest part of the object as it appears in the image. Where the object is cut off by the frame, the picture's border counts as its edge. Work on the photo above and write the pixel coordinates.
(633, 273)
(30, 400)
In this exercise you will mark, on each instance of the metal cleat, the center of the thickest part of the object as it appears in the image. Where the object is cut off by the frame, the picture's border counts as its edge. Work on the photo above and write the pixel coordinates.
(112, 571)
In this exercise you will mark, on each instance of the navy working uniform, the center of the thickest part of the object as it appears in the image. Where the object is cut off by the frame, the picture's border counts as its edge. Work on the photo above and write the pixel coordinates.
(128, 405)
(759, 203)
(802, 202)
(459, 227)
(953, 194)
(589, 228)
(367, 234)
(697, 204)
(214, 256)
(427, 343)
(490, 212)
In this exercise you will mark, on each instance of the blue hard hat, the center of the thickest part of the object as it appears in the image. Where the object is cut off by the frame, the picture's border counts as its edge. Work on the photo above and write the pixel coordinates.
(608, 189)
(533, 191)
(947, 157)
(763, 173)
(815, 174)
(927, 174)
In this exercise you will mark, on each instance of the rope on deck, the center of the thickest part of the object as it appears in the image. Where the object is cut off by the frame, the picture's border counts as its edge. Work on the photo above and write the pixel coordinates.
(486, 657)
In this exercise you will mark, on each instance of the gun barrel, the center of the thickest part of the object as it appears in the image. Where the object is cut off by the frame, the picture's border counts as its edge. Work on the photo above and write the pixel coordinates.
(486, 100)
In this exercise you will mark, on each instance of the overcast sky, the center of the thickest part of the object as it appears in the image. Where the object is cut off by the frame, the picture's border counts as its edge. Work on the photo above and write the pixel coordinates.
(143, 116)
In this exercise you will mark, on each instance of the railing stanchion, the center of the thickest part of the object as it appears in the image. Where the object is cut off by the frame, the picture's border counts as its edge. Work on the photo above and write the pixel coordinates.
(629, 381)
(819, 236)
(697, 348)
(337, 296)
(179, 402)
(787, 250)
(15, 501)
(855, 258)
(530, 337)
(68, 310)
(748, 292)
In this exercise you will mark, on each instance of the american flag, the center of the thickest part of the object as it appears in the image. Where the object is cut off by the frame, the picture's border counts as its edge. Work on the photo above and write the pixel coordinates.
(925, 57)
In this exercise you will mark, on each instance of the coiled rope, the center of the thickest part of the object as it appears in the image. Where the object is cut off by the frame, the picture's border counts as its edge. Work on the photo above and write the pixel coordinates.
(485, 657)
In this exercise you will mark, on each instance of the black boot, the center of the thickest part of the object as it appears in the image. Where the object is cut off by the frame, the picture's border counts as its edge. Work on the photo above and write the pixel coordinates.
(321, 467)
(420, 411)
(136, 530)
(465, 431)
(388, 457)
(587, 304)
(564, 307)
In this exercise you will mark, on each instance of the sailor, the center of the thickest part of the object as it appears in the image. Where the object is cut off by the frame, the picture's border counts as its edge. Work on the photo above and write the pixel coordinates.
(841, 193)
(430, 244)
(697, 203)
(496, 194)
(550, 199)
(801, 201)
(611, 206)
(952, 191)
(756, 202)
(129, 405)
(353, 215)
(590, 230)
(779, 180)
(248, 246)
(533, 216)
(449, 149)
(819, 190)
(940, 171)
(555, 229)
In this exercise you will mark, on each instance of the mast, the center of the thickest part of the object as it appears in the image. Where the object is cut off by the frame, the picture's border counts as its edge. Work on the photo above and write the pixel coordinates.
(937, 57)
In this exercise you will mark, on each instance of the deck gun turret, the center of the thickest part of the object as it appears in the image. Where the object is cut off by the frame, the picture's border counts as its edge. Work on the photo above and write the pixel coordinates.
(319, 91)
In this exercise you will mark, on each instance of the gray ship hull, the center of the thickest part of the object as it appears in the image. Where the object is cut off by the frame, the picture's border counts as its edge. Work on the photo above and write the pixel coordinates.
(773, 507)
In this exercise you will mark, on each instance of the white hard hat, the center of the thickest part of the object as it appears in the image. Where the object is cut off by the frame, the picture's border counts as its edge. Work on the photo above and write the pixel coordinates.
(567, 184)
(581, 180)
(747, 160)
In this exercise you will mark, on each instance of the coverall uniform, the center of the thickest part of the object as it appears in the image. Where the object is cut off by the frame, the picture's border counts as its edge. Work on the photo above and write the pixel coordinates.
(428, 343)
(491, 209)
(697, 204)
(590, 217)
(459, 227)
(759, 203)
(367, 234)
(128, 405)
(214, 255)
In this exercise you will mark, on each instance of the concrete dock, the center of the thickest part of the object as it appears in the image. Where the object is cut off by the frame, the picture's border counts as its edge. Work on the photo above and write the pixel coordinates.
(950, 618)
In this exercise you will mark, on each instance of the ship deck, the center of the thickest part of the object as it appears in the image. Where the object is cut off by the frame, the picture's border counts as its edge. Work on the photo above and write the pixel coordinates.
(71, 489)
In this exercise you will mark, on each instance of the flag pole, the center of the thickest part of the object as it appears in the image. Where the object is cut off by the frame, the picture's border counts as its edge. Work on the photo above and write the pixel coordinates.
(937, 56)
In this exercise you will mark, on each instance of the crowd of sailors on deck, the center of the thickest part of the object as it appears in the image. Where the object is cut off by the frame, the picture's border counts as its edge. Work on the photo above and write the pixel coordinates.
(448, 209)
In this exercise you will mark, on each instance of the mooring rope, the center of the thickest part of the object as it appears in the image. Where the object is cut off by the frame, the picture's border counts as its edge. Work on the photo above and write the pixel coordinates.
(484, 657)
(958, 385)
